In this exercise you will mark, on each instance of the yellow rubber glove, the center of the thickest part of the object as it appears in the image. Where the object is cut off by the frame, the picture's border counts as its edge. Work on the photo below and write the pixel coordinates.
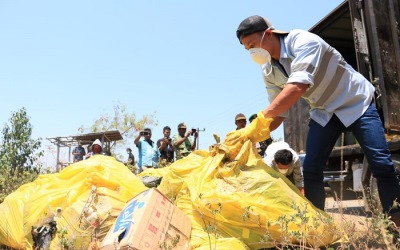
(257, 131)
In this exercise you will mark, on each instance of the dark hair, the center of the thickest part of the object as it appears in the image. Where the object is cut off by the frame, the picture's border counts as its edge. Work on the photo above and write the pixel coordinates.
(283, 156)
(166, 127)
(147, 129)
(129, 149)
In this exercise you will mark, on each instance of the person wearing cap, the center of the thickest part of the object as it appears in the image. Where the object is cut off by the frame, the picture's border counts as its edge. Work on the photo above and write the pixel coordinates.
(182, 142)
(240, 121)
(148, 151)
(78, 152)
(300, 64)
(281, 157)
(262, 145)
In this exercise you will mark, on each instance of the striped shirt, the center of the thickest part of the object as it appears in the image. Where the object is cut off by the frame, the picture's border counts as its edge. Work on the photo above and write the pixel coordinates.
(334, 86)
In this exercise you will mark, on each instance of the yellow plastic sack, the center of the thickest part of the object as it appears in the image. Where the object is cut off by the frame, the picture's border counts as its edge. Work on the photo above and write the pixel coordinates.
(100, 185)
(234, 199)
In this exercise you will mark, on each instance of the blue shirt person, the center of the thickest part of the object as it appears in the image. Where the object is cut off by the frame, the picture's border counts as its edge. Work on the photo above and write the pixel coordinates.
(148, 150)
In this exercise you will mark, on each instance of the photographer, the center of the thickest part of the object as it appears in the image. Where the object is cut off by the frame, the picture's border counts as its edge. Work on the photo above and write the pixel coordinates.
(148, 151)
(165, 146)
(183, 143)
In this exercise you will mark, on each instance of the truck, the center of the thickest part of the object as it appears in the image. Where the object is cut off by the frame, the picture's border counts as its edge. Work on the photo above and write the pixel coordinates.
(366, 33)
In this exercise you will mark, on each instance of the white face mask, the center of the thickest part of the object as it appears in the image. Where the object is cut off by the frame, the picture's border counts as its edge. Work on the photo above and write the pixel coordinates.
(283, 171)
(260, 55)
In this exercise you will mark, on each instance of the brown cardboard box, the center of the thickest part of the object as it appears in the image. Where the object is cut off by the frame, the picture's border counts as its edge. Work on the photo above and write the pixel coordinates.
(149, 221)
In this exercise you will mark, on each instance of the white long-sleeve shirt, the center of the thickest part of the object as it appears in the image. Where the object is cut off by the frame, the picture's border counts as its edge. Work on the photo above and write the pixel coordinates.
(334, 86)
(294, 167)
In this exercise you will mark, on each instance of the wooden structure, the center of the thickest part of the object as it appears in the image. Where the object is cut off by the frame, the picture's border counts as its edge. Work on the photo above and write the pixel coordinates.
(106, 139)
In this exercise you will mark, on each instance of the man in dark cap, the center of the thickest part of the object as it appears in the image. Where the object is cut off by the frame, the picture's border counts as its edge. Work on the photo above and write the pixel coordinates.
(300, 64)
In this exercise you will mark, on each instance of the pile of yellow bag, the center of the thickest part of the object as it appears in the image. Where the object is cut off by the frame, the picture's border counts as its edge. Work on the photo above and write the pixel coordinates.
(234, 200)
(100, 185)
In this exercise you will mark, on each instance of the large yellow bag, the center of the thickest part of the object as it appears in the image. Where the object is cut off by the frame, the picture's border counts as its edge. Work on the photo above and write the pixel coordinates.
(100, 185)
(234, 199)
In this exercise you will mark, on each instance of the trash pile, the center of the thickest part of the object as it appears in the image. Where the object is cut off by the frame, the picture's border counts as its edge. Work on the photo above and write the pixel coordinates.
(233, 200)
(237, 202)
(83, 200)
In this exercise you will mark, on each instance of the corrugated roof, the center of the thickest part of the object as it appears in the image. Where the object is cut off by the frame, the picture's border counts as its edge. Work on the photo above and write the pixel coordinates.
(107, 136)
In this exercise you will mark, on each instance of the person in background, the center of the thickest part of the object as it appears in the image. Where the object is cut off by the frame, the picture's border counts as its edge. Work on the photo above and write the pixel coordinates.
(240, 121)
(165, 146)
(183, 143)
(96, 148)
(284, 159)
(148, 151)
(78, 152)
(262, 145)
(300, 64)
(131, 157)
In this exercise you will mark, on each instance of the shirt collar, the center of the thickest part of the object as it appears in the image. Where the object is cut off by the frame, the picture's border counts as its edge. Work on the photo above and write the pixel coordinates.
(284, 53)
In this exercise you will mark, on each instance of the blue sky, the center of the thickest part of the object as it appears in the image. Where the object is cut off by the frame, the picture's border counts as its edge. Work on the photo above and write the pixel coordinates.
(68, 62)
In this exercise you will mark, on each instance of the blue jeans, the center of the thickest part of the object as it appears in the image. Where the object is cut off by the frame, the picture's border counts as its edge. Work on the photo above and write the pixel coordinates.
(368, 131)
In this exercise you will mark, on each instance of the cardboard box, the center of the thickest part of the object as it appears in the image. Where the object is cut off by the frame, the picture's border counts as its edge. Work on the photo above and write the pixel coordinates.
(149, 221)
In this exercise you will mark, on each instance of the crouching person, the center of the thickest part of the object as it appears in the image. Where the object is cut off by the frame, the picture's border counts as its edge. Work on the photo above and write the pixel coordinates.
(284, 159)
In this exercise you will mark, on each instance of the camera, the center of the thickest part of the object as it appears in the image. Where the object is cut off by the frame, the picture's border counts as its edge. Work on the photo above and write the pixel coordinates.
(169, 139)
(193, 131)
(144, 133)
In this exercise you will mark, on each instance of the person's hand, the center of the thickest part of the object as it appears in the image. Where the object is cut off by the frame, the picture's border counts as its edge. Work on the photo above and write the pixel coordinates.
(196, 134)
(188, 134)
(166, 141)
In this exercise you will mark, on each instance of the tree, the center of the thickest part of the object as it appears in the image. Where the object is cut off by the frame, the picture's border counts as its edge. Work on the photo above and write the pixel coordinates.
(121, 120)
(18, 154)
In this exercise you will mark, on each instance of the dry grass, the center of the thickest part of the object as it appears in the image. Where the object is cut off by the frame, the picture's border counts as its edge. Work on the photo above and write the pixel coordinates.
(364, 230)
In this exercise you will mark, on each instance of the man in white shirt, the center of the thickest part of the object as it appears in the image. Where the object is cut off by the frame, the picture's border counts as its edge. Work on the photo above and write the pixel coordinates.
(299, 64)
(284, 159)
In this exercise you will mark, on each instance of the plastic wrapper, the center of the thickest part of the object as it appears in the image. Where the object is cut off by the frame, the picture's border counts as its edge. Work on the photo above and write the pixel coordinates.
(234, 198)
(84, 199)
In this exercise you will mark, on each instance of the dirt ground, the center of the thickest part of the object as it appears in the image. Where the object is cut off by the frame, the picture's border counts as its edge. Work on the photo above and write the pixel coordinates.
(347, 210)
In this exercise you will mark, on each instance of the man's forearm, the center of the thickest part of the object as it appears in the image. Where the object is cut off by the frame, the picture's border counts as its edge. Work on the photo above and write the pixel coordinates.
(179, 142)
(276, 123)
(194, 144)
(137, 140)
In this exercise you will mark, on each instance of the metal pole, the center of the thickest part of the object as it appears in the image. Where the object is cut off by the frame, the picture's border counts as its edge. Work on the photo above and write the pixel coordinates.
(69, 153)
(198, 137)
(58, 155)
